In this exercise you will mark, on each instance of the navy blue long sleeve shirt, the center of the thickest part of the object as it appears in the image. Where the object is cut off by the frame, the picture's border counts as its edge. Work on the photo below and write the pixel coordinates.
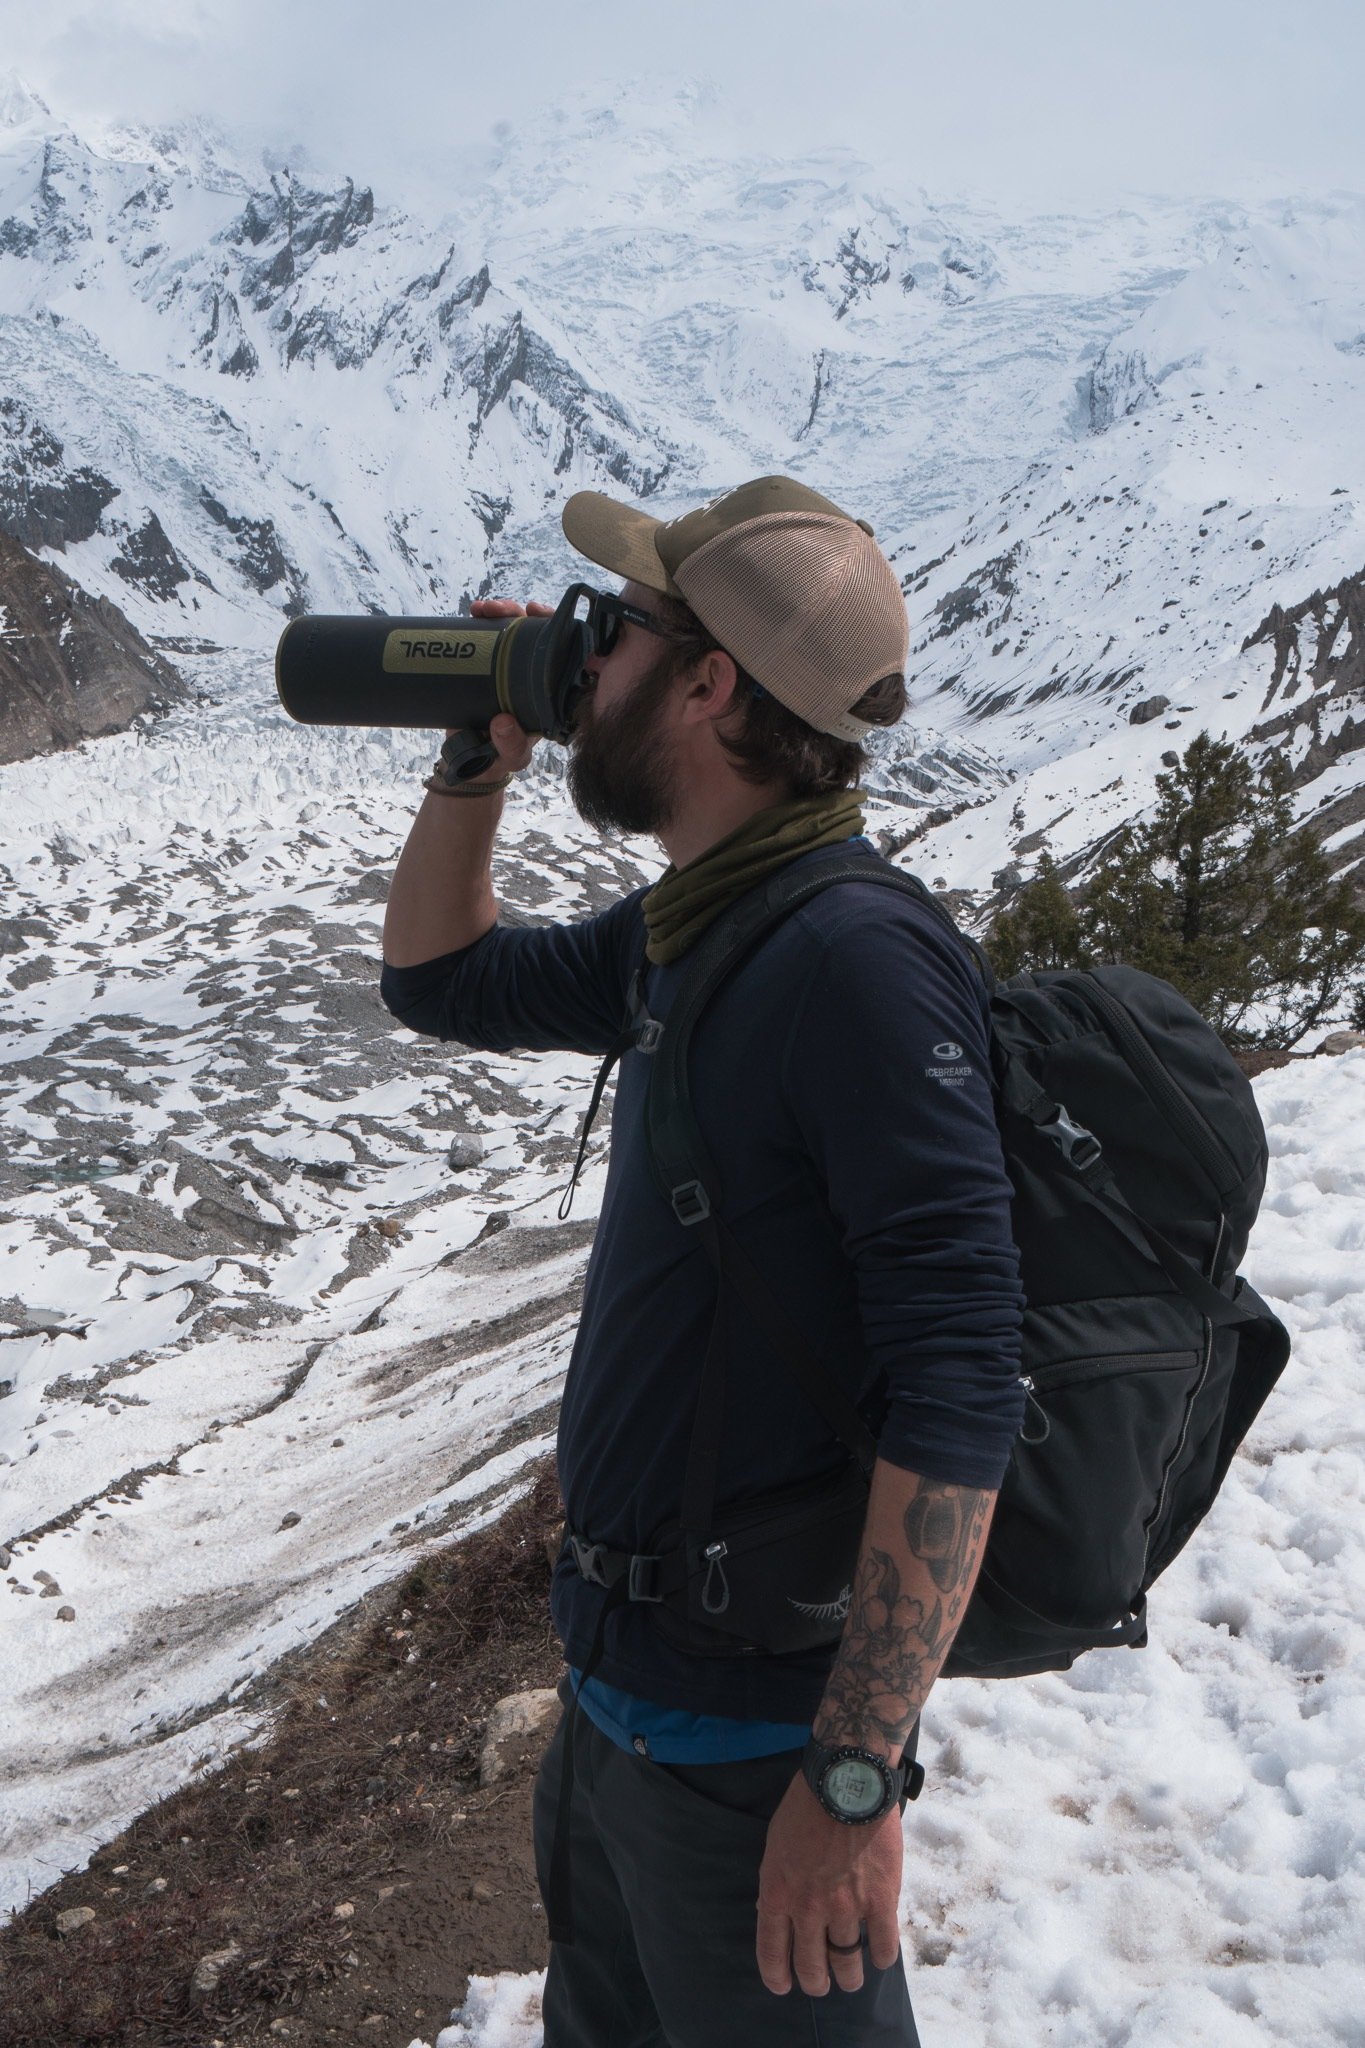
(840, 1078)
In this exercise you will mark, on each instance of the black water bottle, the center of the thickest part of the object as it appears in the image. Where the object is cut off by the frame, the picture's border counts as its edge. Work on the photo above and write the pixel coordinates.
(453, 674)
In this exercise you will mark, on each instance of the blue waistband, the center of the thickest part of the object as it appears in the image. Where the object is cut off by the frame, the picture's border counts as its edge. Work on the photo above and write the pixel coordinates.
(671, 1735)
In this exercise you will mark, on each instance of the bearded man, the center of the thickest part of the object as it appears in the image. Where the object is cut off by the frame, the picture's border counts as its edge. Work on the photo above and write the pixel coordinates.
(728, 1821)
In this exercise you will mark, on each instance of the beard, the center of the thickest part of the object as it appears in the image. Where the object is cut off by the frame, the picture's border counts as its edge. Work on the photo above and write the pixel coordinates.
(621, 772)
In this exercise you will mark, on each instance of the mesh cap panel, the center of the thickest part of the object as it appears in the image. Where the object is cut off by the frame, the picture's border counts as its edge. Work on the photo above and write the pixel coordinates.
(808, 604)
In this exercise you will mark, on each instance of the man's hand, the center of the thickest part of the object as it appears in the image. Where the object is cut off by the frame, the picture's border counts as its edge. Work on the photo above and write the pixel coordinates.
(514, 746)
(818, 1882)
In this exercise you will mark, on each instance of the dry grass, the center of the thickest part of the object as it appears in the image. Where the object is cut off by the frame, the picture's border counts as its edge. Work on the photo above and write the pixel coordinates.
(371, 1771)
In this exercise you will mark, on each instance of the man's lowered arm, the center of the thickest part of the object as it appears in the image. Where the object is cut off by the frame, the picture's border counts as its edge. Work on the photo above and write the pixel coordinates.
(921, 1550)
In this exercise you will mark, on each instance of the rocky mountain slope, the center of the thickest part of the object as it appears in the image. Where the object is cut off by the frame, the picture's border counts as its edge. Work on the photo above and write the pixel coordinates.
(71, 666)
(261, 1248)
(1102, 449)
(1189, 556)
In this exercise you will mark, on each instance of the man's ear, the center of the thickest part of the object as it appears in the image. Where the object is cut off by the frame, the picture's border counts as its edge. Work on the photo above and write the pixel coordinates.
(711, 690)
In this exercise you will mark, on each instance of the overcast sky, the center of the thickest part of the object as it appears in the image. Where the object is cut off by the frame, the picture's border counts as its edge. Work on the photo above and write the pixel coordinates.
(1042, 100)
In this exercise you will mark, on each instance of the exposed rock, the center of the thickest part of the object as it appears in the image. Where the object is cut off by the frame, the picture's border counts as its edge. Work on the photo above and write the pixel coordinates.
(259, 556)
(291, 1520)
(223, 342)
(66, 1614)
(149, 560)
(513, 1727)
(1148, 709)
(71, 1922)
(71, 666)
(42, 502)
(512, 365)
(973, 601)
(209, 1968)
(1319, 647)
(1335, 1042)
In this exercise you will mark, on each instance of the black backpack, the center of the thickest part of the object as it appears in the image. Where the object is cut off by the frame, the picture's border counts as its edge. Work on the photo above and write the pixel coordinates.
(1138, 1160)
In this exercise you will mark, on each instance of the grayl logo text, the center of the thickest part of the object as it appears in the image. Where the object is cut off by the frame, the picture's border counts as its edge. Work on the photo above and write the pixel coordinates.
(438, 650)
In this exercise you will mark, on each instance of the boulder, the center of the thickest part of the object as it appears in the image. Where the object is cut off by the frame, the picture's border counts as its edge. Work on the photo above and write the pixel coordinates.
(1148, 709)
(1336, 1041)
(209, 1968)
(515, 1727)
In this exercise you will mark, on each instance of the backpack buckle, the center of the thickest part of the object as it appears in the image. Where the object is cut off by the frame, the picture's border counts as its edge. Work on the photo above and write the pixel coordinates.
(651, 1031)
(1080, 1148)
(691, 1203)
(588, 1557)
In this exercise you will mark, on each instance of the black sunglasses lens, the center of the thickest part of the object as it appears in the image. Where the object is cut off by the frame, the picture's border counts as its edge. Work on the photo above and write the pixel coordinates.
(606, 626)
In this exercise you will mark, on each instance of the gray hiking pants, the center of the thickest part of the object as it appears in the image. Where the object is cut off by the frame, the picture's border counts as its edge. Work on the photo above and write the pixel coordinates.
(664, 1862)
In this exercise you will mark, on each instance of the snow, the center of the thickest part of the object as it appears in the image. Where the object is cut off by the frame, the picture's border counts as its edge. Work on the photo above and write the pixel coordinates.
(1169, 1845)
(178, 1384)
(267, 1256)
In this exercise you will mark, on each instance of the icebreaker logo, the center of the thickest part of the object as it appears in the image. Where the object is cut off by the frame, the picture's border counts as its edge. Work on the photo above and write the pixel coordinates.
(949, 1050)
(828, 1610)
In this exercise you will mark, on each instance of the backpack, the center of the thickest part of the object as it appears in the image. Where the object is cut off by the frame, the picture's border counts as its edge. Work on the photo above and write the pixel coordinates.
(1138, 1160)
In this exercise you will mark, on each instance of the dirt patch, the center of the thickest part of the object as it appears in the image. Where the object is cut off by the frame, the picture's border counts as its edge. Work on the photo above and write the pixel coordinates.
(366, 1797)
(1261, 1059)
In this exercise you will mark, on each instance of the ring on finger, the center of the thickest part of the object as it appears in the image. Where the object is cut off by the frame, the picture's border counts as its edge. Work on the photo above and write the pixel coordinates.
(844, 1948)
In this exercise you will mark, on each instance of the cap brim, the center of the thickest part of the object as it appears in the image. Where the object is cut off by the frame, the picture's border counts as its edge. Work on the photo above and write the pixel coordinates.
(618, 538)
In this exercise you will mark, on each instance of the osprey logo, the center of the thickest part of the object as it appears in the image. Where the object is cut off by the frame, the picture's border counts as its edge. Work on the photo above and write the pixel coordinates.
(949, 1050)
(828, 1610)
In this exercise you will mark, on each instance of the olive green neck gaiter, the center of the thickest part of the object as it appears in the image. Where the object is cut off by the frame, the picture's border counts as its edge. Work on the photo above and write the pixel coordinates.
(684, 901)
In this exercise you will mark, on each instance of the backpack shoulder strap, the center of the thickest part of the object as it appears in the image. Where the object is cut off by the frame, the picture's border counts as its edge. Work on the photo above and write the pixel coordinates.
(687, 1178)
(683, 1168)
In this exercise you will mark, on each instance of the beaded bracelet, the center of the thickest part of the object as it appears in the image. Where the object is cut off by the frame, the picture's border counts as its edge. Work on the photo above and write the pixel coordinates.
(438, 786)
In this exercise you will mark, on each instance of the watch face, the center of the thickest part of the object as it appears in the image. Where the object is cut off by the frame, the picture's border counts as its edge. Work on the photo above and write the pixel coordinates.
(854, 1787)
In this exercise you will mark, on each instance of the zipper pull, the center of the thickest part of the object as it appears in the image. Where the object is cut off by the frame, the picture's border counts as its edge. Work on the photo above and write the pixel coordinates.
(1031, 1401)
(715, 1592)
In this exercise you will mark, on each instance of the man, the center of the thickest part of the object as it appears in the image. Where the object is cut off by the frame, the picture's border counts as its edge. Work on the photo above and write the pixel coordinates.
(732, 1880)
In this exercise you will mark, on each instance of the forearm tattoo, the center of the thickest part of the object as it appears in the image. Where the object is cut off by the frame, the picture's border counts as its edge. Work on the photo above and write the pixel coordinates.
(902, 1618)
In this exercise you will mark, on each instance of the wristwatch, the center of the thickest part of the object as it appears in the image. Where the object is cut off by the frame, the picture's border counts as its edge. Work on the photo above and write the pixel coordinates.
(852, 1785)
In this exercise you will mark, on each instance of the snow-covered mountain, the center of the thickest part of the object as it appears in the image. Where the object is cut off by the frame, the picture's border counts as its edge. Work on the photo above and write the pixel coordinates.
(1189, 556)
(1101, 449)
(262, 1249)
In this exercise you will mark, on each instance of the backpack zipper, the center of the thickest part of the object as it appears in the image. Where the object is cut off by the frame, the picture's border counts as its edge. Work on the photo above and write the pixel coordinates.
(1195, 1391)
(1200, 1138)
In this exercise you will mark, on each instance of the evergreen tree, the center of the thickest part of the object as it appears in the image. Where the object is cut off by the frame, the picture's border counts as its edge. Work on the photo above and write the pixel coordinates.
(1041, 930)
(1218, 893)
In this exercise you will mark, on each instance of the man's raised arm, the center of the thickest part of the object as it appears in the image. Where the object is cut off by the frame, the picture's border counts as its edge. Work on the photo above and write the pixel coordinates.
(441, 897)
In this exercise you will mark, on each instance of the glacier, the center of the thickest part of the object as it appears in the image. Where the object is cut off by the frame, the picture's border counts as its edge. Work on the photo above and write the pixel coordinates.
(266, 1256)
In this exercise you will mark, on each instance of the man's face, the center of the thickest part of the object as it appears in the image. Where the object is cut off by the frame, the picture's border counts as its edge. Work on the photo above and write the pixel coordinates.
(622, 773)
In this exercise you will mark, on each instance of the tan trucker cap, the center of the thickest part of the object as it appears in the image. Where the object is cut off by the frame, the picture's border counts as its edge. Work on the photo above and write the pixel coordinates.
(796, 590)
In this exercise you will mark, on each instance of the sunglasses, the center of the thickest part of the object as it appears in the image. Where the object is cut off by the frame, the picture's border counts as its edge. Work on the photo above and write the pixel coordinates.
(608, 613)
